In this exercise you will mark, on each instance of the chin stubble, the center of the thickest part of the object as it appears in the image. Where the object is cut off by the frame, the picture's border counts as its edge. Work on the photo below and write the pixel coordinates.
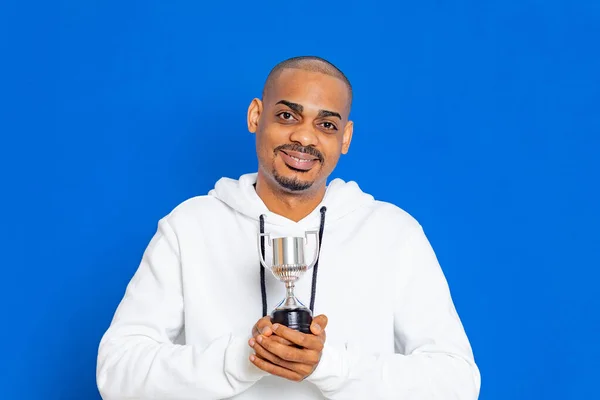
(291, 184)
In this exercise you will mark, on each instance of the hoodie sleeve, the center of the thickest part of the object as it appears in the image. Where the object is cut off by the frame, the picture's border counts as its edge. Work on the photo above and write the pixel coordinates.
(434, 359)
(137, 356)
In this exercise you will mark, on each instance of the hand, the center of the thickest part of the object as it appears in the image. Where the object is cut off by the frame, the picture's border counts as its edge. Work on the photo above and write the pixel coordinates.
(265, 327)
(286, 360)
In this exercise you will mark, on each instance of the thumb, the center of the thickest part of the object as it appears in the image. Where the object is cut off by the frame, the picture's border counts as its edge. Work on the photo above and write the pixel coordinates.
(318, 325)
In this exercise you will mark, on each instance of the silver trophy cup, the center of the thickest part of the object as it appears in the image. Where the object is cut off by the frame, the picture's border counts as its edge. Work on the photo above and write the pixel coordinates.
(288, 266)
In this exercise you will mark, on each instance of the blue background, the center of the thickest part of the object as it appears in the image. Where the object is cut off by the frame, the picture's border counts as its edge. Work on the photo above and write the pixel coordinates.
(481, 118)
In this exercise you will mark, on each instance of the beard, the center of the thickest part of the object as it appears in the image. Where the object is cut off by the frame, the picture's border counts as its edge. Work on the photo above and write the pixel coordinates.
(292, 184)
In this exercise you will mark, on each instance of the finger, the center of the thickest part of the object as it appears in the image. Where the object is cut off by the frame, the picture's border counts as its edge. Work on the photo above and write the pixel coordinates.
(289, 353)
(263, 327)
(252, 343)
(276, 338)
(318, 325)
(275, 369)
(302, 369)
(311, 342)
(281, 340)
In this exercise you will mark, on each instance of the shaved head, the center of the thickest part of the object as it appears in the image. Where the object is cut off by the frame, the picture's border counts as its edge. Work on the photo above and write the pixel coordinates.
(307, 63)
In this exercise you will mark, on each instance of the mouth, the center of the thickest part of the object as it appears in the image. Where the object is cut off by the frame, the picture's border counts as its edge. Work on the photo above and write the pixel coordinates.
(298, 161)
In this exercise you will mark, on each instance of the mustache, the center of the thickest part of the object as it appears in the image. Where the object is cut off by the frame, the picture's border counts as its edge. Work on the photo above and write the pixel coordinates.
(301, 149)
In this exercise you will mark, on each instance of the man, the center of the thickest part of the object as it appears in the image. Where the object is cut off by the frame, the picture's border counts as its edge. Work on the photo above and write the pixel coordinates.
(190, 324)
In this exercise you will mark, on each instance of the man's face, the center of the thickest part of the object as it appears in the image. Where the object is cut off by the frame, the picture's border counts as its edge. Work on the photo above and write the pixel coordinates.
(301, 128)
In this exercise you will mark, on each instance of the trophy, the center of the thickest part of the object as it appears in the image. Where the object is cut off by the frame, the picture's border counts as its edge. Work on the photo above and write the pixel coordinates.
(288, 266)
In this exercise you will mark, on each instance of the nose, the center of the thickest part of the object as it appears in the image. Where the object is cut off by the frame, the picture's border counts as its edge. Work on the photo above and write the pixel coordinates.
(304, 136)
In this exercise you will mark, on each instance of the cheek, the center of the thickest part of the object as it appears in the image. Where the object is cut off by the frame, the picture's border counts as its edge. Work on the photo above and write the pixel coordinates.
(262, 138)
(331, 161)
(266, 142)
(270, 135)
(332, 150)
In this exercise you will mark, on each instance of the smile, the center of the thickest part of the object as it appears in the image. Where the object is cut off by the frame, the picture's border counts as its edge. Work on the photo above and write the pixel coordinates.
(298, 161)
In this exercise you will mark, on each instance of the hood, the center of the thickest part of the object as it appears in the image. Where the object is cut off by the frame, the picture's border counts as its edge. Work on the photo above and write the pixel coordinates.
(341, 198)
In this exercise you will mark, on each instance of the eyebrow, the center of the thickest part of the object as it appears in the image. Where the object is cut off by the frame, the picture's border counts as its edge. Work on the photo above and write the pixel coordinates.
(299, 108)
(294, 106)
(326, 113)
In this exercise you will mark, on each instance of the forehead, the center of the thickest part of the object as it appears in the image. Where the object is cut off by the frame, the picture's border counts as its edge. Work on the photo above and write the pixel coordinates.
(310, 89)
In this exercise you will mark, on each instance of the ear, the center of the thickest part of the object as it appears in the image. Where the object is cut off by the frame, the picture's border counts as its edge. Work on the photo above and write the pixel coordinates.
(347, 136)
(254, 112)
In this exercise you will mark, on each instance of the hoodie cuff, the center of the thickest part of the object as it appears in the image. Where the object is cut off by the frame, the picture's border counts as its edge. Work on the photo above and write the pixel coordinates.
(331, 373)
(237, 361)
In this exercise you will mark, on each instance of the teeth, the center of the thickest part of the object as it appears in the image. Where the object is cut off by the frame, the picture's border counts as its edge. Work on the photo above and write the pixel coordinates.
(299, 159)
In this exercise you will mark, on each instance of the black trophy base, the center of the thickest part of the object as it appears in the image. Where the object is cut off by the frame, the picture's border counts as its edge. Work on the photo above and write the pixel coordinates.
(298, 319)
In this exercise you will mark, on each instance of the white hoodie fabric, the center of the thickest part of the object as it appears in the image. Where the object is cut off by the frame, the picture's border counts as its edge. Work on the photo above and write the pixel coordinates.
(181, 330)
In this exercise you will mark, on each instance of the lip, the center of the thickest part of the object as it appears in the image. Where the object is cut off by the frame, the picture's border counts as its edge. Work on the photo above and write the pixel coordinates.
(297, 160)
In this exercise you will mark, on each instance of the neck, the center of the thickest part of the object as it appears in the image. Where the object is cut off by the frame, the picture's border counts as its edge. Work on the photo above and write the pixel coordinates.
(293, 206)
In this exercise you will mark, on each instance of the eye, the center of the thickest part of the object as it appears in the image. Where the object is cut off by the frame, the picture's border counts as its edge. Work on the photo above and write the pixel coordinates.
(286, 116)
(329, 126)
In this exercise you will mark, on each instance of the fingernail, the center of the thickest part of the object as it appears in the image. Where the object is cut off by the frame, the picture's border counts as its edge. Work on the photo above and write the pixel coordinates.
(251, 342)
(251, 358)
(275, 327)
(317, 328)
(265, 330)
(259, 339)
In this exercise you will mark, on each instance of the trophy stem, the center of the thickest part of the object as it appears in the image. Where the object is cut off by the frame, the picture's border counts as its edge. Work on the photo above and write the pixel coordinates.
(289, 290)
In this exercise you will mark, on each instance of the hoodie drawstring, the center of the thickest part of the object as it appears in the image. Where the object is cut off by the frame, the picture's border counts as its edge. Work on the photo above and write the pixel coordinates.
(313, 291)
(263, 289)
(316, 267)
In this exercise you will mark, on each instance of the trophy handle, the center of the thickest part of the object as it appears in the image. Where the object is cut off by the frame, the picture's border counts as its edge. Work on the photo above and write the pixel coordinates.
(316, 233)
(260, 255)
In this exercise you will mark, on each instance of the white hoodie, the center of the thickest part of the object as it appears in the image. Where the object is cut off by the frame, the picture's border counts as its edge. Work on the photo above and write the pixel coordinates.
(182, 329)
